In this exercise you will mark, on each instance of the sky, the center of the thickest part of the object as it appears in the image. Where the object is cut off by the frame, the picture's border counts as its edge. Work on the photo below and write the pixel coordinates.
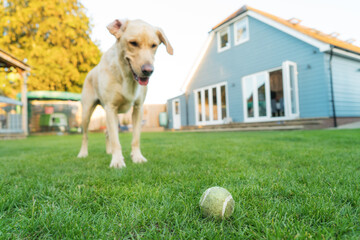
(187, 23)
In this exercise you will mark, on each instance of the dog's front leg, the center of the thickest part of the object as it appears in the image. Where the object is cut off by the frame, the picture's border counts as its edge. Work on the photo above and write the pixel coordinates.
(136, 155)
(117, 160)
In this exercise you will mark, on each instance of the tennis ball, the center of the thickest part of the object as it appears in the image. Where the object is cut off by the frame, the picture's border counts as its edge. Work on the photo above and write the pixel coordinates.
(217, 202)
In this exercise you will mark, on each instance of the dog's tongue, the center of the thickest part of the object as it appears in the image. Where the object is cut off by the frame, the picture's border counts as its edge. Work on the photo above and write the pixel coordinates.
(143, 81)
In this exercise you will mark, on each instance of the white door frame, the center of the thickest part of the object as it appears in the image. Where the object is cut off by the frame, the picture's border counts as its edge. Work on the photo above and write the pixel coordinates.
(287, 89)
(176, 117)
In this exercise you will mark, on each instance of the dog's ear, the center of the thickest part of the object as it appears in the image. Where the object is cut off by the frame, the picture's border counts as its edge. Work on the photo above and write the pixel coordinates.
(165, 41)
(117, 27)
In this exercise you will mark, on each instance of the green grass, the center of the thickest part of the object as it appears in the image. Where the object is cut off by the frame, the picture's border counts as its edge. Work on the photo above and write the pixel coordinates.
(299, 184)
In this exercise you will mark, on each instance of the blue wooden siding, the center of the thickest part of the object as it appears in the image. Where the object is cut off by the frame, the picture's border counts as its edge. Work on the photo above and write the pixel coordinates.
(169, 113)
(183, 110)
(346, 79)
(191, 109)
(266, 49)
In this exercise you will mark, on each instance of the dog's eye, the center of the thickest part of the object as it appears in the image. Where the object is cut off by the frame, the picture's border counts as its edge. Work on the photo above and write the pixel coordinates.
(134, 44)
(153, 46)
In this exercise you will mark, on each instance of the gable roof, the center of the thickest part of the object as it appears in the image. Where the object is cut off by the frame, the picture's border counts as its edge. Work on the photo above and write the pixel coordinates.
(312, 36)
(310, 32)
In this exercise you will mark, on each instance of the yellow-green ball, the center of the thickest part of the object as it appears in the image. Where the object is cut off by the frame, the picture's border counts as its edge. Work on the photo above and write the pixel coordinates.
(217, 202)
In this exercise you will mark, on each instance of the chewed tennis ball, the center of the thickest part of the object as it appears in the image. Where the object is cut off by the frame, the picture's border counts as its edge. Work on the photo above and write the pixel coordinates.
(217, 202)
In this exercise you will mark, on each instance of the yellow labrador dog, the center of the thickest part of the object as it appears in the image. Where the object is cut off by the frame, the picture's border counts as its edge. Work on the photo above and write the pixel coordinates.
(119, 82)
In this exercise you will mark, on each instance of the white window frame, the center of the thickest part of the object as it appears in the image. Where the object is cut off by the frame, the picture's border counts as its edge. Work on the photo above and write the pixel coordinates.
(287, 97)
(235, 31)
(219, 104)
(222, 30)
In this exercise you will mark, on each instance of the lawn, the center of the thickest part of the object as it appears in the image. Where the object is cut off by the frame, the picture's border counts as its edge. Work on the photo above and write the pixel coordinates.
(295, 184)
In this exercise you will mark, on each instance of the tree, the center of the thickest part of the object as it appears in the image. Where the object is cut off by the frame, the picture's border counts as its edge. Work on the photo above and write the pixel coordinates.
(54, 37)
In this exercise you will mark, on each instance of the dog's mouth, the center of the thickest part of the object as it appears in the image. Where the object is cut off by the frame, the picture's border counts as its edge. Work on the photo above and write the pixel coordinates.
(143, 81)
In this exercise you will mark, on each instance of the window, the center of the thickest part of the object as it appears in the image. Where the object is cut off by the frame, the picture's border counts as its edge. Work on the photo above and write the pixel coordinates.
(207, 107)
(177, 107)
(211, 104)
(241, 31)
(215, 106)
(223, 39)
(199, 109)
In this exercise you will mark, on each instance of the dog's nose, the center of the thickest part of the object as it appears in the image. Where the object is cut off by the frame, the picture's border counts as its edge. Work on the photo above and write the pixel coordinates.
(147, 69)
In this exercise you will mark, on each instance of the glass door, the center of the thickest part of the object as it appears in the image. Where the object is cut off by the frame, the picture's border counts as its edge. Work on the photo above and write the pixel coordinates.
(271, 95)
(256, 96)
(176, 114)
(277, 94)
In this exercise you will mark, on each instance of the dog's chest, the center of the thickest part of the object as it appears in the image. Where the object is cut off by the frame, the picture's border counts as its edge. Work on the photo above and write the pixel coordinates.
(125, 98)
(131, 93)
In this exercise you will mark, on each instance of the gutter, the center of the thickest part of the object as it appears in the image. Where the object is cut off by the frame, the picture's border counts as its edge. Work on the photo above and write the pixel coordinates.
(332, 85)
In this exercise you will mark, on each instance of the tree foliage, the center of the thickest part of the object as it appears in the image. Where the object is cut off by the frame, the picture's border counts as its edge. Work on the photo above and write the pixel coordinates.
(54, 37)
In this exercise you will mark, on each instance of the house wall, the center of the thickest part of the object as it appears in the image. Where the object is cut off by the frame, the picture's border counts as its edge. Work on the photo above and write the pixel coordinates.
(346, 82)
(266, 49)
(191, 109)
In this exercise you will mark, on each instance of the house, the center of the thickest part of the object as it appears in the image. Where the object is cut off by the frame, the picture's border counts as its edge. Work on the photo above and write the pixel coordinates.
(13, 113)
(259, 68)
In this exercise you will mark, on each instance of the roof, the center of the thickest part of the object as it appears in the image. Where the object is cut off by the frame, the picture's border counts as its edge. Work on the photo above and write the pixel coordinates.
(313, 33)
(52, 95)
(9, 101)
(8, 60)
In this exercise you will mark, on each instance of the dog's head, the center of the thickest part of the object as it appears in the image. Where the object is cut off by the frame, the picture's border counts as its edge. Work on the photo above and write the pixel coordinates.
(137, 42)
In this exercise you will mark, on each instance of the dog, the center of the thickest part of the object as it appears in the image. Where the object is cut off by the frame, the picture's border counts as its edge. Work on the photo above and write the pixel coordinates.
(119, 82)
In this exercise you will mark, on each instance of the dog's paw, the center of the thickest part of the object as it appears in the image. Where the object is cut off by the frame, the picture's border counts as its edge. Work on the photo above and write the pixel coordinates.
(118, 164)
(137, 157)
(117, 161)
(82, 154)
